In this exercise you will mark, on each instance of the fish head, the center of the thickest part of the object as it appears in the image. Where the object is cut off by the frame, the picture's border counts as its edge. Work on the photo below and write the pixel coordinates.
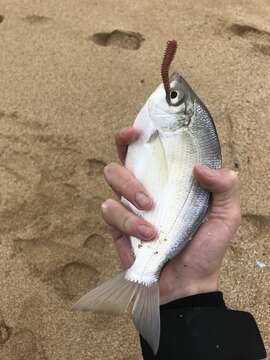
(175, 114)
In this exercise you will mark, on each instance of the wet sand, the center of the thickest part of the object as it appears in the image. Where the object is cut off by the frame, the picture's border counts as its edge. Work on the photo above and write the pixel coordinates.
(71, 74)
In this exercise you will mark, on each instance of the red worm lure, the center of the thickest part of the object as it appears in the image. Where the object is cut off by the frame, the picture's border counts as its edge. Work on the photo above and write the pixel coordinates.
(167, 60)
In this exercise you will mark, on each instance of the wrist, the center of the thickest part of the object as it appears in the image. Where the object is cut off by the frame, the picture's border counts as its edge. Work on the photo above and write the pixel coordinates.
(192, 287)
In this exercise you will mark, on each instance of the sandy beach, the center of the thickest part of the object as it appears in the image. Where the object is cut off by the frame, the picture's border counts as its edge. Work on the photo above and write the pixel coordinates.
(72, 72)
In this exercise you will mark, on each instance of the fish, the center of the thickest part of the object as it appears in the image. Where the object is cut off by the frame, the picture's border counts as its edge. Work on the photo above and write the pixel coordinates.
(177, 132)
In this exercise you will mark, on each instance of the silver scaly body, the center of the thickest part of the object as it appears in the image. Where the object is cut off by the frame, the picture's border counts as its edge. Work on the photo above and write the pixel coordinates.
(163, 160)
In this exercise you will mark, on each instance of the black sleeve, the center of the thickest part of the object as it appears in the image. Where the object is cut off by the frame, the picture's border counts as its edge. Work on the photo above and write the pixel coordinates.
(200, 327)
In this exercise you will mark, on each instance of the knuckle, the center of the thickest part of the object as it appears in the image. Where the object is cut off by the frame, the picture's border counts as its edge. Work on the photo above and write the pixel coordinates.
(127, 186)
(115, 233)
(233, 178)
(127, 224)
(238, 219)
(236, 216)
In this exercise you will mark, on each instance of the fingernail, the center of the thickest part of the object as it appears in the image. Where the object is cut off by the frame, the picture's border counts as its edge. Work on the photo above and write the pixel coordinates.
(142, 200)
(146, 231)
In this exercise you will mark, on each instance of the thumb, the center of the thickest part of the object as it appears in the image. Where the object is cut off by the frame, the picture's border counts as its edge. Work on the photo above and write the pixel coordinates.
(224, 185)
(221, 181)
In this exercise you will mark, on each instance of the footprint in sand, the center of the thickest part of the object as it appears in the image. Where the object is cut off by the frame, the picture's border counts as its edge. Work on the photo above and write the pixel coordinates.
(262, 48)
(95, 242)
(44, 211)
(94, 167)
(23, 344)
(118, 38)
(29, 124)
(262, 226)
(33, 167)
(260, 39)
(36, 19)
(19, 342)
(248, 31)
(71, 271)
(258, 227)
(5, 332)
(78, 278)
(1, 18)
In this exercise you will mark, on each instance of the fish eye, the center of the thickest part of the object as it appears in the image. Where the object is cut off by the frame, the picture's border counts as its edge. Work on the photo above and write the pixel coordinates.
(176, 97)
(173, 94)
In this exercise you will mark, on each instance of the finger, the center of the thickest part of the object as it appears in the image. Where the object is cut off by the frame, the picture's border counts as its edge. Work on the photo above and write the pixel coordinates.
(224, 184)
(219, 181)
(119, 217)
(123, 247)
(123, 138)
(125, 183)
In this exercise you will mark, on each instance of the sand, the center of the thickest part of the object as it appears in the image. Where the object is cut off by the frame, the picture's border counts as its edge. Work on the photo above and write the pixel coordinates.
(72, 72)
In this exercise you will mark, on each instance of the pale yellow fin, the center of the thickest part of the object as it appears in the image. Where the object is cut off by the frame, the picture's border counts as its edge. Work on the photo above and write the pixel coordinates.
(114, 297)
(146, 314)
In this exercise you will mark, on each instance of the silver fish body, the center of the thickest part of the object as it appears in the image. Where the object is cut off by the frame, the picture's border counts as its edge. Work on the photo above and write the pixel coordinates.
(163, 160)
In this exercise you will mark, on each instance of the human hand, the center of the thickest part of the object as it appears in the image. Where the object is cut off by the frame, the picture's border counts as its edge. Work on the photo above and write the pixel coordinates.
(195, 269)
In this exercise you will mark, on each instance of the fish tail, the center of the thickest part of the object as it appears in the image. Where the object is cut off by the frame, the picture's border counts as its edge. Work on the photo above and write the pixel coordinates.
(146, 315)
(115, 295)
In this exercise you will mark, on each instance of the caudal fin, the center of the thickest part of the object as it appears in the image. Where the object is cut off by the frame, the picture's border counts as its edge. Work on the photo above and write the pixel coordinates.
(146, 316)
(115, 295)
